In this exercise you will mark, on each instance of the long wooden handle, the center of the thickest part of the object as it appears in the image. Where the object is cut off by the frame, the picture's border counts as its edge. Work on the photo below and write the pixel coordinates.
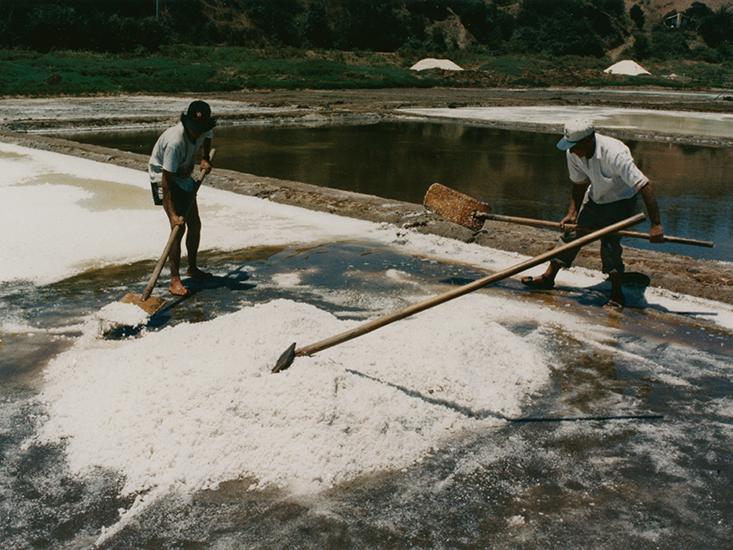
(546, 223)
(465, 289)
(171, 239)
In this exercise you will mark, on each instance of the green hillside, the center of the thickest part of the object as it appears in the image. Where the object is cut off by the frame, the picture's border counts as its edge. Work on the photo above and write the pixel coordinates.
(87, 46)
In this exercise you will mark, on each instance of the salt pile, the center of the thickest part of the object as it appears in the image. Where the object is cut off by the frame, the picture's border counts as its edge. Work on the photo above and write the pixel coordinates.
(194, 405)
(626, 67)
(119, 314)
(78, 222)
(432, 63)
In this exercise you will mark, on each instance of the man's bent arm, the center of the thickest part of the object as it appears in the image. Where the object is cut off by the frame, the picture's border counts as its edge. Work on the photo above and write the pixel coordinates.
(205, 165)
(576, 200)
(165, 182)
(656, 232)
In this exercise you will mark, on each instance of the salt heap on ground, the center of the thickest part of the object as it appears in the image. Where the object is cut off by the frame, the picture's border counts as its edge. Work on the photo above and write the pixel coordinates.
(211, 411)
(90, 214)
(432, 63)
(626, 67)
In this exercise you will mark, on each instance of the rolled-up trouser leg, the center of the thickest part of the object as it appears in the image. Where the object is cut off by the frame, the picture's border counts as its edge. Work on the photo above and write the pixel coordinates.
(611, 249)
(611, 255)
(567, 258)
(586, 218)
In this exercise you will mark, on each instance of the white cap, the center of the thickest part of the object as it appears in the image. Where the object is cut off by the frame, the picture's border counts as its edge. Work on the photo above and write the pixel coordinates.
(575, 130)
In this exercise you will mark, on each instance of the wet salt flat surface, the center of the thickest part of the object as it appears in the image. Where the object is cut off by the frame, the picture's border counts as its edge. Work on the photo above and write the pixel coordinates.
(715, 95)
(441, 430)
(675, 122)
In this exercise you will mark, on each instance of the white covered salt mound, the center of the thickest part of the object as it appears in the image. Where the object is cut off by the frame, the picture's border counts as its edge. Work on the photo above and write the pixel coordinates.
(210, 411)
(432, 63)
(626, 67)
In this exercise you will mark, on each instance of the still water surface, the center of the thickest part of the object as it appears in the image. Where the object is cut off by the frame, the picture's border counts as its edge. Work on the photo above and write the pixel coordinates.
(518, 173)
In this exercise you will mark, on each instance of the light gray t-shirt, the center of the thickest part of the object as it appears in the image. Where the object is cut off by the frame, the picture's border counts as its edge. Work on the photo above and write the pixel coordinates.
(176, 153)
(611, 171)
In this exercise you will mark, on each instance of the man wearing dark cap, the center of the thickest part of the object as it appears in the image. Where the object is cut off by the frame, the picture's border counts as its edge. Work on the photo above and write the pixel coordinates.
(170, 168)
(606, 185)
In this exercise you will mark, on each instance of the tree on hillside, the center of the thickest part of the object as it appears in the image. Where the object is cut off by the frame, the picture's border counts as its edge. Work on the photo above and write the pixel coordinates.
(103, 26)
(637, 16)
(486, 22)
(698, 11)
(717, 28)
(642, 47)
(54, 26)
(276, 19)
(668, 43)
(372, 25)
(558, 27)
(614, 8)
(317, 31)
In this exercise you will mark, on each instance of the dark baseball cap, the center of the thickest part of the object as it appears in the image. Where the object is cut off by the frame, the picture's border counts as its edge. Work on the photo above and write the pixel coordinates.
(197, 117)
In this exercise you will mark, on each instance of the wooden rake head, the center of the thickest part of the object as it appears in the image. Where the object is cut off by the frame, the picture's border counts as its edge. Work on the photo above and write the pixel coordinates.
(455, 206)
(150, 305)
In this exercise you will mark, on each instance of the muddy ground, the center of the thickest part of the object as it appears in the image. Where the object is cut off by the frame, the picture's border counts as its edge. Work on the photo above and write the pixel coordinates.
(704, 278)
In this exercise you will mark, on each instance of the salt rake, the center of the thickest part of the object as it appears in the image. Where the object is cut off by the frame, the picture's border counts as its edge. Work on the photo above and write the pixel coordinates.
(152, 304)
(469, 212)
(289, 355)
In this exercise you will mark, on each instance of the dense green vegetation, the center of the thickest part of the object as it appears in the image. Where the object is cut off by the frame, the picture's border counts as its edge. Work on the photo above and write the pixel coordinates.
(194, 68)
(202, 68)
(89, 46)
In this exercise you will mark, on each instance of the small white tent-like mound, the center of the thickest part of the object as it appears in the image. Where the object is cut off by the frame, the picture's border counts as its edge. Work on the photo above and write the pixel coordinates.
(431, 63)
(627, 67)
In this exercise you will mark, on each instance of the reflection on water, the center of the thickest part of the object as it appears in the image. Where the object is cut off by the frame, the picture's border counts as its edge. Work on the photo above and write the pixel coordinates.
(519, 173)
(663, 122)
(683, 123)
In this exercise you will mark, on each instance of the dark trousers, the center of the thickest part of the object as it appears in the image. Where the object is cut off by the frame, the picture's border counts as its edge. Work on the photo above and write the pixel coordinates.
(594, 216)
(181, 199)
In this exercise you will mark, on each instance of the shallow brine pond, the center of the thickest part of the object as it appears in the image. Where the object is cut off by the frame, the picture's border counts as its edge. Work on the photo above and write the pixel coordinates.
(518, 173)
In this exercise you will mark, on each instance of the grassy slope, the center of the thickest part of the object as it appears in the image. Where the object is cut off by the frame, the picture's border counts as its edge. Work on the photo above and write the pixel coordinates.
(188, 68)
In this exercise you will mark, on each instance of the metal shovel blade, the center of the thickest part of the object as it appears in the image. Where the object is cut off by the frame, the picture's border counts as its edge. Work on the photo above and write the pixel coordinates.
(455, 206)
(149, 306)
(286, 359)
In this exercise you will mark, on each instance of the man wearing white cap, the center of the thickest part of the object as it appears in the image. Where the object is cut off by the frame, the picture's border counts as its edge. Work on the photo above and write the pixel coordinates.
(606, 185)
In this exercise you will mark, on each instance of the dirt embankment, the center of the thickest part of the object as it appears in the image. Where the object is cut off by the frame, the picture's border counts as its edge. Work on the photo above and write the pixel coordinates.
(707, 279)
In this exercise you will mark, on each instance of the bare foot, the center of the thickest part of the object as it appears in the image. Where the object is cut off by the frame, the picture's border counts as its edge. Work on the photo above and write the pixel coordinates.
(177, 289)
(196, 273)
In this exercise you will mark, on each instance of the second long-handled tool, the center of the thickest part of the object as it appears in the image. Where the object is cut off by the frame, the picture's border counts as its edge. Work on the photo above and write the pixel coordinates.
(289, 355)
(469, 212)
(145, 301)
